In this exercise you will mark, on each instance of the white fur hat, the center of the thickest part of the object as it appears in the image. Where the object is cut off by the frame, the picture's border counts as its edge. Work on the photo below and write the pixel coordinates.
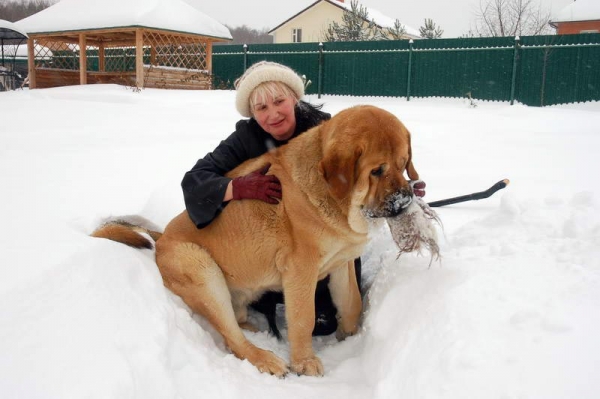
(264, 71)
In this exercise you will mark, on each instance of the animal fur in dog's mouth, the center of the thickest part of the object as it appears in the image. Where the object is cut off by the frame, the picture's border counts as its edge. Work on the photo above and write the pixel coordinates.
(414, 230)
(394, 205)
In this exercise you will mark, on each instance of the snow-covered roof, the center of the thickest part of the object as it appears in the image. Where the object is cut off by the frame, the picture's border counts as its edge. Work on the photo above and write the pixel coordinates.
(10, 30)
(580, 10)
(375, 16)
(77, 15)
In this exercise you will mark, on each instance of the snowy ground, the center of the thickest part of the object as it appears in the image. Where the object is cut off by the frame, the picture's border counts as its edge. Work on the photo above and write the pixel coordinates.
(512, 310)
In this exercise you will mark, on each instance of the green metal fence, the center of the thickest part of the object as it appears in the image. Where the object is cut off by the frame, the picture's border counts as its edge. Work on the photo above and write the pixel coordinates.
(536, 70)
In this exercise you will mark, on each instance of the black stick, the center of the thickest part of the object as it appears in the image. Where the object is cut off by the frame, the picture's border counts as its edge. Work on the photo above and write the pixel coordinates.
(471, 197)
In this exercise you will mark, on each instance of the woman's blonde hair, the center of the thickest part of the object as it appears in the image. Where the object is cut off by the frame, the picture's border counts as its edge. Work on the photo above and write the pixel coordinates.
(270, 90)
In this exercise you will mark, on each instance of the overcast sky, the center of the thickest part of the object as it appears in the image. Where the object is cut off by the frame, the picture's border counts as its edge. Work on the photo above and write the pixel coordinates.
(453, 16)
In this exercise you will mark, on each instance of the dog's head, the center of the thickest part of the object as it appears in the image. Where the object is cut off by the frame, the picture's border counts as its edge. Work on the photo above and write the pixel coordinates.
(366, 151)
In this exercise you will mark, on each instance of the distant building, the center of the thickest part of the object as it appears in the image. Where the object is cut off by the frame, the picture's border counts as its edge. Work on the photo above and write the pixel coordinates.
(581, 16)
(310, 24)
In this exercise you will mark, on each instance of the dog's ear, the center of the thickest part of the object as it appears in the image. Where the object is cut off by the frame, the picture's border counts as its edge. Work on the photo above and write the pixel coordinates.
(338, 168)
(410, 168)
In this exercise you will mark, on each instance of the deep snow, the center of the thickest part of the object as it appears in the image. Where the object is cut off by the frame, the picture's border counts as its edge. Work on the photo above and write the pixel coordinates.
(510, 311)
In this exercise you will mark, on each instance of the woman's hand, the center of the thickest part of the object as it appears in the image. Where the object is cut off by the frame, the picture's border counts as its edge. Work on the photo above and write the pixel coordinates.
(257, 185)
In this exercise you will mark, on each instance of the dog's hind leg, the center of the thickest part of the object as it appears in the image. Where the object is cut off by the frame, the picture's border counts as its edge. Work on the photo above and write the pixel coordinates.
(345, 293)
(190, 272)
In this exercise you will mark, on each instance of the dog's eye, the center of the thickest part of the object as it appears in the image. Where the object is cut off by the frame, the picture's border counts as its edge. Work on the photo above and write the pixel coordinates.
(378, 171)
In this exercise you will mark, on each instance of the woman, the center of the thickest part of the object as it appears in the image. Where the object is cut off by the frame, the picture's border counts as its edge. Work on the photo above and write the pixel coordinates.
(269, 94)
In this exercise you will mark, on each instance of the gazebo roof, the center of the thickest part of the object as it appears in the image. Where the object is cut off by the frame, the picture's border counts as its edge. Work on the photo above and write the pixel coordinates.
(88, 15)
(9, 30)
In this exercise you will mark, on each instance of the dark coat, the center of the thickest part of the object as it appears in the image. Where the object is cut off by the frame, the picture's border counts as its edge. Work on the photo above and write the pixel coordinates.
(204, 186)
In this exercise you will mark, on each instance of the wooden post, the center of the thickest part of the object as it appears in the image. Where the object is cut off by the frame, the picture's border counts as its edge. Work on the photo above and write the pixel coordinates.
(139, 58)
(82, 59)
(101, 59)
(153, 55)
(209, 57)
(31, 62)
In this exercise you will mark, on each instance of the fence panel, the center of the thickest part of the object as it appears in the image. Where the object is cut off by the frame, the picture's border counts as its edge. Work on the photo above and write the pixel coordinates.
(484, 73)
(559, 69)
(537, 70)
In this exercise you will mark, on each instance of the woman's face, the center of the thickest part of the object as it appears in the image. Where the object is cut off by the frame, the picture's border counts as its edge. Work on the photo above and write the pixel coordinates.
(276, 116)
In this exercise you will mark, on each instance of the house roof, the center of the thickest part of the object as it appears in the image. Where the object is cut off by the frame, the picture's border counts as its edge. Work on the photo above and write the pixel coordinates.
(379, 18)
(83, 15)
(10, 30)
(580, 10)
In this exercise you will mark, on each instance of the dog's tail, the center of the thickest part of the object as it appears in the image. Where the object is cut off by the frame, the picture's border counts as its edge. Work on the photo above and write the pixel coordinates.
(127, 233)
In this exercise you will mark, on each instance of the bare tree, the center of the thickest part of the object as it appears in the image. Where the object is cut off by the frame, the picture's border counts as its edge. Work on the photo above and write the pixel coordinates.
(511, 18)
(18, 9)
(246, 35)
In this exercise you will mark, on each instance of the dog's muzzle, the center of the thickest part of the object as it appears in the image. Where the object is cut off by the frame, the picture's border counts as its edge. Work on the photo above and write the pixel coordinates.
(394, 205)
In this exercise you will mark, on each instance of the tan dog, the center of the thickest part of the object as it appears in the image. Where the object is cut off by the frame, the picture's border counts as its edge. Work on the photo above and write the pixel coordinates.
(335, 177)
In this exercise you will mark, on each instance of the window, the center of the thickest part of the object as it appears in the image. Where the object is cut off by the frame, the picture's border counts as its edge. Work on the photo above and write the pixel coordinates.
(296, 35)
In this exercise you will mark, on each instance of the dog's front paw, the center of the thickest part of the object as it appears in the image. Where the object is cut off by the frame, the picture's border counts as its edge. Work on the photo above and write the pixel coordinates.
(276, 367)
(267, 362)
(309, 366)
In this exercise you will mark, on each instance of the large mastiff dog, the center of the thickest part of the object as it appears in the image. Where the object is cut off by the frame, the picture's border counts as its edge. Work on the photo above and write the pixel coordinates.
(335, 178)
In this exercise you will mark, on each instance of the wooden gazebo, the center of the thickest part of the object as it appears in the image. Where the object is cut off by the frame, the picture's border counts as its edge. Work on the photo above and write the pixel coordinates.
(138, 43)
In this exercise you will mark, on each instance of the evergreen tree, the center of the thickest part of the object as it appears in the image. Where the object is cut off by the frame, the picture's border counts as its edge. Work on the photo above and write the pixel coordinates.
(355, 26)
(397, 32)
(430, 30)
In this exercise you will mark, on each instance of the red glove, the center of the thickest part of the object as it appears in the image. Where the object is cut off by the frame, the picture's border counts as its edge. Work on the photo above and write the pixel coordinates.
(257, 185)
(418, 187)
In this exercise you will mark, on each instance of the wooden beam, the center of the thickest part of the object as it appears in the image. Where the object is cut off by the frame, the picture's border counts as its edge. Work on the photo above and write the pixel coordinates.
(139, 58)
(31, 63)
(101, 58)
(94, 32)
(82, 59)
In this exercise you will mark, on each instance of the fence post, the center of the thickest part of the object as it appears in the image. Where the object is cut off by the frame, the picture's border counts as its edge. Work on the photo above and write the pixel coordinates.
(410, 50)
(513, 81)
(245, 57)
(320, 77)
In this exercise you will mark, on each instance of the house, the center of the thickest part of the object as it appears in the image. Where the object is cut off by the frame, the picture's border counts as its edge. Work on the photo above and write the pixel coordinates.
(310, 24)
(159, 43)
(581, 16)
